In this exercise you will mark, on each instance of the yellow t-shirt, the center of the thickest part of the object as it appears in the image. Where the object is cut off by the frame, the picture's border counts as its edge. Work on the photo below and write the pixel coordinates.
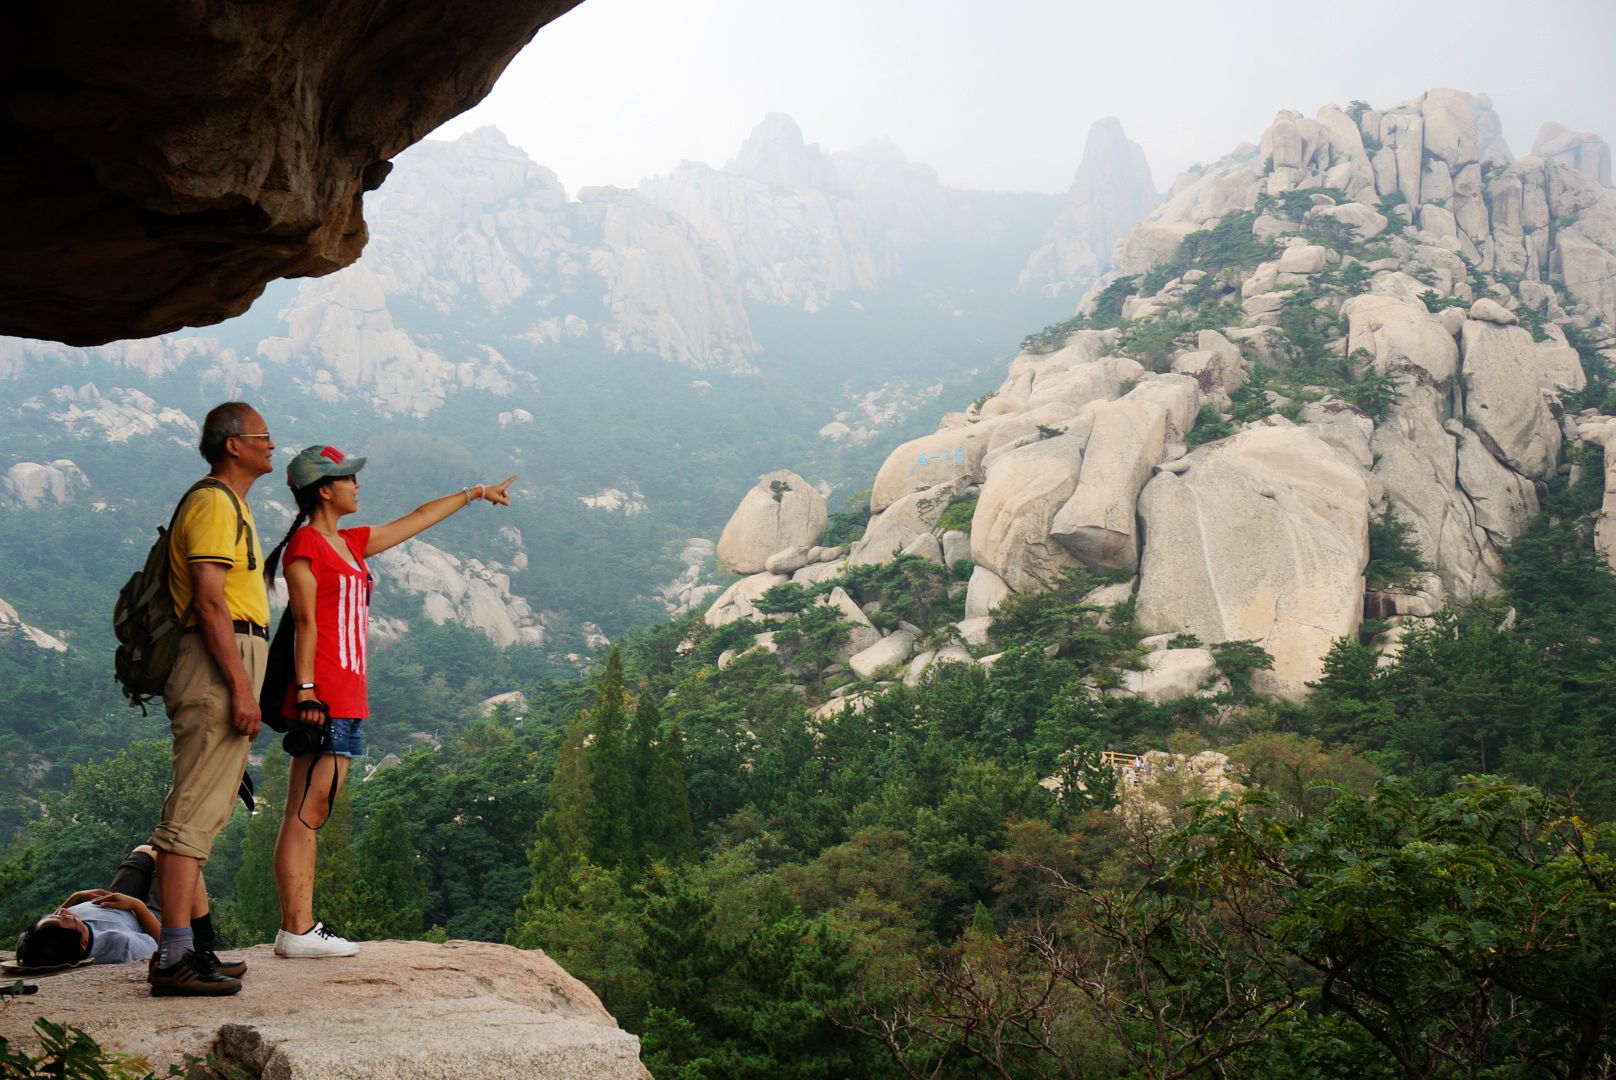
(205, 531)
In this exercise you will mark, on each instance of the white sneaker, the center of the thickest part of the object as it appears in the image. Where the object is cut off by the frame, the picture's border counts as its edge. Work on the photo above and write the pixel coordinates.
(317, 942)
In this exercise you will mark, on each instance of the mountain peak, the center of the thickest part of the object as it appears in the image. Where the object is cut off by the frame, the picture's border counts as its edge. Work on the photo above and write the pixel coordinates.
(776, 153)
(1582, 150)
(1111, 191)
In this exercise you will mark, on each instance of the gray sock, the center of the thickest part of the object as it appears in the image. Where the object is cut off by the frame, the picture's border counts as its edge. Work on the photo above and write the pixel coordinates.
(174, 943)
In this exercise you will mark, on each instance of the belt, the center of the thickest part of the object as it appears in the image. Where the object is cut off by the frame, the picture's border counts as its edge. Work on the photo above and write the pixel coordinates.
(241, 626)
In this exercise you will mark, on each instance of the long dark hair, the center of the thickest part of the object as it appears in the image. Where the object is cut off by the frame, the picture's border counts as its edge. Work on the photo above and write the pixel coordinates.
(308, 501)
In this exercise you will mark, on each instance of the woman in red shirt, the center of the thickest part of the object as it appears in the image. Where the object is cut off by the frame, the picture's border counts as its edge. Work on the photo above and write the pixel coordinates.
(329, 587)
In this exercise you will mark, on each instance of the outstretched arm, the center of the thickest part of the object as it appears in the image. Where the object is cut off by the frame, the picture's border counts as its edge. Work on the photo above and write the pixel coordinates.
(426, 515)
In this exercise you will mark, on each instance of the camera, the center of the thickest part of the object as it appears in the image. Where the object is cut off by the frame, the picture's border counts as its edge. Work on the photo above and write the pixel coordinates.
(303, 738)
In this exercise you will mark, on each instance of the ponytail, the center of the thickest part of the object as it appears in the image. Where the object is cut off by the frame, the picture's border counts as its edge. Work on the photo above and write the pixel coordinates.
(308, 498)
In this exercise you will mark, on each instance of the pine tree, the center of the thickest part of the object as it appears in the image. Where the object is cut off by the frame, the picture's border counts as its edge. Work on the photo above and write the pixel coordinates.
(564, 830)
(671, 839)
(392, 899)
(611, 841)
(336, 871)
(256, 912)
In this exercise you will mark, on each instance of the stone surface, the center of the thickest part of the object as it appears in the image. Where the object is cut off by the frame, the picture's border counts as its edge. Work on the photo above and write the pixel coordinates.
(984, 592)
(1099, 522)
(11, 625)
(1296, 591)
(403, 1010)
(1505, 501)
(1416, 463)
(163, 165)
(1581, 150)
(735, 602)
(782, 510)
(1170, 673)
(1400, 334)
(1502, 398)
(30, 484)
(1022, 493)
(466, 591)
(895, 648)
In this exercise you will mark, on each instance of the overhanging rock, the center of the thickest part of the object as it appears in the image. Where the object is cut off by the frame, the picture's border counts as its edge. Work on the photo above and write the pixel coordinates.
(164, 162)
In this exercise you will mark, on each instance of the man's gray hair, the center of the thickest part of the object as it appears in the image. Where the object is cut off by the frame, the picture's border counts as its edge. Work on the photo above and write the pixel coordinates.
(222, 422)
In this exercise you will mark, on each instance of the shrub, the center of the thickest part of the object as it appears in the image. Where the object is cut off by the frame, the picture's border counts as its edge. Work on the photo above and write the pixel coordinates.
(1434, 303)
(846, 525)
(1375, 394)
(1240, 661)
(1394, 556)
(1210, 426)
(957, 518)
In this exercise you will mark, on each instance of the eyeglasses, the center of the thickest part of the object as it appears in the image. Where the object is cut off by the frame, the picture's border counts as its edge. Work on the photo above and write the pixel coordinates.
(252, 435)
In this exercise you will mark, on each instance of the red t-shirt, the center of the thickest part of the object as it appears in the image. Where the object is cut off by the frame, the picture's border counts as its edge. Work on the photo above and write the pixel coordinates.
(341, 621)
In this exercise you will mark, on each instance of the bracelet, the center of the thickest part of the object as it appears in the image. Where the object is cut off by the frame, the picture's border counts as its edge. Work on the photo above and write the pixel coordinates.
(480, 489)
(302, 686)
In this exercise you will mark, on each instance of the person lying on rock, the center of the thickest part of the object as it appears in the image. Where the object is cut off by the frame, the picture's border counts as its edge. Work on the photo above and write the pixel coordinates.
(329, 589)
(116, 925)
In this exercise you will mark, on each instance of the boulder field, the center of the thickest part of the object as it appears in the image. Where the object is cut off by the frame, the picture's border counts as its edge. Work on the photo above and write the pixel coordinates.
(1459, 285)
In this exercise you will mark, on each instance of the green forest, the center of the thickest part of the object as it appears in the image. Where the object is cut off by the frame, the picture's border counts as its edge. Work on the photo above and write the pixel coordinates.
(1411, 879)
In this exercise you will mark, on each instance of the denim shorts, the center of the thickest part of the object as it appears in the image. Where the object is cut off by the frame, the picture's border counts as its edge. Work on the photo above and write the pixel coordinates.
(345, 737)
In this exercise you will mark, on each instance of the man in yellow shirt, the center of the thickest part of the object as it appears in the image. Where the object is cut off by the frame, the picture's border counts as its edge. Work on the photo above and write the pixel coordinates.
(212, 694)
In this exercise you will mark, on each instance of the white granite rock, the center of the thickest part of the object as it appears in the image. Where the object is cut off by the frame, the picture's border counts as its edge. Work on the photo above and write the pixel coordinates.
(780, 511)
(1170, 673)
(893, 649)
(1295, 592)
(1020, 497)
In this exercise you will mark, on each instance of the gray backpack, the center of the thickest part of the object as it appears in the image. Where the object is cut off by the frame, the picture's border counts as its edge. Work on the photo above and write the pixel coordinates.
(143, 618)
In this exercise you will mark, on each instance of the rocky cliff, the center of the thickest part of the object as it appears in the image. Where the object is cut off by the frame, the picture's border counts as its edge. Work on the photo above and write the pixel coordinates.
(1373, 323)
(1112, 191)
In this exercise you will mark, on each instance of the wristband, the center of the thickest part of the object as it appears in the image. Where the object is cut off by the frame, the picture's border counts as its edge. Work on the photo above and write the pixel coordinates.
(302, 686)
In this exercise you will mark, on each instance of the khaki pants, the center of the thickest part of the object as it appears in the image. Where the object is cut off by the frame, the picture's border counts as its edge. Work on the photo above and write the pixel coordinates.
(209, 753)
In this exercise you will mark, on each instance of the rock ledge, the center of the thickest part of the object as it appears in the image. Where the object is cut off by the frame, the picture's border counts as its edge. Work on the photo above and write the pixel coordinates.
(400, 1009)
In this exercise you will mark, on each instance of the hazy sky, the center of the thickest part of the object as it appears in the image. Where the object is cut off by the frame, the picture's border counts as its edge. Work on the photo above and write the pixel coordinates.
(1000, 96)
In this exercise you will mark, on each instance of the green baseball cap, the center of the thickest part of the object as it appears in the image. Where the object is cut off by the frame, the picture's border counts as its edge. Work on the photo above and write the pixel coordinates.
(318, 463)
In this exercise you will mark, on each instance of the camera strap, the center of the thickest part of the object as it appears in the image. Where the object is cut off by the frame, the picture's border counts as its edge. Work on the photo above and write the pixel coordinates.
(320, 751)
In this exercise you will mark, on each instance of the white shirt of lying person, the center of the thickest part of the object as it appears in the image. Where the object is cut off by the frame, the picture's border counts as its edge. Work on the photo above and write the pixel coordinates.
(116, 936)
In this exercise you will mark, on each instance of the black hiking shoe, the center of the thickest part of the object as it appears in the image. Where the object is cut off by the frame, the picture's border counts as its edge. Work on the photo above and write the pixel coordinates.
(235, 969)
(190, 974)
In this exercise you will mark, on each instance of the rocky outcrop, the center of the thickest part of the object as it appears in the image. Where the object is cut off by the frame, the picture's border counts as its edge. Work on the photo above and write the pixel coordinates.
(782, 510)
(11, 625)
(342, 330)
(737, 602)
(117, 416)
(778, 215)
(1024, 490)
(464, 591)
(29, 484)
(1170, 673)
(1502, 398)
(1580, 150)
(404, 1010)
(153, 193)
(1112, 191)
(1099, 523)
(1294, 593)
(687, 591)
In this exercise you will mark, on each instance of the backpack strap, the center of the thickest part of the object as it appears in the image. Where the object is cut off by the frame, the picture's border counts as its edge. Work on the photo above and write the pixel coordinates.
(235, 501)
